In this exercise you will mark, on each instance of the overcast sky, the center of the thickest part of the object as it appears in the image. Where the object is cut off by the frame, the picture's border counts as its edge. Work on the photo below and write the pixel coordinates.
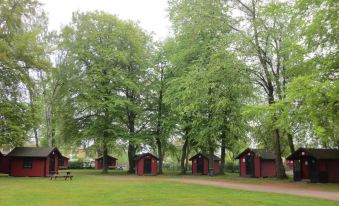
(151, 14)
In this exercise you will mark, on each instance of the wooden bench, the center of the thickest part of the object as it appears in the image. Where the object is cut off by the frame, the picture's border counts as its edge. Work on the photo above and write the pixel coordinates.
(66, 176)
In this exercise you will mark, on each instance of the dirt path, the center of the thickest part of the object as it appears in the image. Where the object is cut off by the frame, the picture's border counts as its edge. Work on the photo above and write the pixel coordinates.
(264, 188)
(274, 188)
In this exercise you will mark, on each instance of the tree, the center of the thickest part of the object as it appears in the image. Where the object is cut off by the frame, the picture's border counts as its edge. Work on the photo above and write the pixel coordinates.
(312, 96)
(271, 46)
(210, 83)
(23, 55)
(108, 57)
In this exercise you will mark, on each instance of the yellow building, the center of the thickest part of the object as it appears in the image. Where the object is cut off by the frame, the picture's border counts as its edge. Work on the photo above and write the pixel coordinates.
(82, 153)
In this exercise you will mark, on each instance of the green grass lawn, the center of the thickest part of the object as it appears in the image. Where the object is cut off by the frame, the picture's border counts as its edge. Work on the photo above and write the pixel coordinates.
(99, 190)
(231, 177)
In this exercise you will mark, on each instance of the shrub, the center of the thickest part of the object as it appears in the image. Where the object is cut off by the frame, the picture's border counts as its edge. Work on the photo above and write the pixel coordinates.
(76, 164)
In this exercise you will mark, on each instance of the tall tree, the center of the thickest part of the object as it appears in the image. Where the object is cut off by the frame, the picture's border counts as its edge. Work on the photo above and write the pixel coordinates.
(210, 83)
(23, 55)
(270, 45)
(109, 56)
(313, 95)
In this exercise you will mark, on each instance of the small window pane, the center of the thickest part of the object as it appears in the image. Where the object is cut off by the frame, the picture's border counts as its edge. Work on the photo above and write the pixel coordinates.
(28, 163)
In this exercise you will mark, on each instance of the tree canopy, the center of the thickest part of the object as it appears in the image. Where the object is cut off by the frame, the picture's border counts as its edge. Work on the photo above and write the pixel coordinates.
(234, 74)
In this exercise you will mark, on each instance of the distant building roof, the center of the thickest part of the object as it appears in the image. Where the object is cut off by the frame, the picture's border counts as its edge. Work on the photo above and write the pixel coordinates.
(32, 151)
(216, 158)
(139, 156)
(262, 153)
(107, 156)
(316, 153)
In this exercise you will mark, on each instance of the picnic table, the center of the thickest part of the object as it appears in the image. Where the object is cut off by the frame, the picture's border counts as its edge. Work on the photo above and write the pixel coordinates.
(66, 175)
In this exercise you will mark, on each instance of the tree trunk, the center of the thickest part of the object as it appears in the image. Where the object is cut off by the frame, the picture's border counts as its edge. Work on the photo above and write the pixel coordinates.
(160, 155)
(159, 123)
(49, 125)
(278, 161)
(132, 148)
(222, 156)
(33, 113)
(290, 142)
(211, 162)
(183, 154)
(36, 137)
(131, 155)
(232, 162)
(188, 150)
(104, 159)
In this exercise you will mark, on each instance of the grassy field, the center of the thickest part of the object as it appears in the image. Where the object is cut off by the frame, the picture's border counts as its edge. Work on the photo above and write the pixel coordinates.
(91, 188)
(232, 177)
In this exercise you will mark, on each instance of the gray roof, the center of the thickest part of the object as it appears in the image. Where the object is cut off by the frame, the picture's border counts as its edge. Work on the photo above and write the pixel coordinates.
(32, 151)
(316, 153)
(262, 153)
(139, 156)
(216, 158)
(109, 157)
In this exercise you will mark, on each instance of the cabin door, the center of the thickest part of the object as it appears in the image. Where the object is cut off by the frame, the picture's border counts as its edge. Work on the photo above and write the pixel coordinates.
(296, 170)
(52, 164)
(249, 165)
(314, 175)
(305, 168)
(147, 166)
(200, 165)
(323, 175)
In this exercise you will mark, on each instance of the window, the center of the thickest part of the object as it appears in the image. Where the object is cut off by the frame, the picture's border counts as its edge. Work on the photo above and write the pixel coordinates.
(28, 163)
(61, 161)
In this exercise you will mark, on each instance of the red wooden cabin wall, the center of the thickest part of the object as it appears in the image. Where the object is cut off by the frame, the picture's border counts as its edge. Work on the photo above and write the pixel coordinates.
(268, 168)
(17, 169)
(99, 163)
(333, 170)
(194, 167)
(205, 166)
(140, 166)
(4, 164)
(216, 167)
(257, 166)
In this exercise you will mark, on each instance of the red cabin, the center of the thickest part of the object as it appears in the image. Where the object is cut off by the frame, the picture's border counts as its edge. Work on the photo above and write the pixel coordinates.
(257, 163)
(315, 165)
(4, 164)
(63, 162)
(200, 163)
(146, 164)
(111, 162)
(33, 162)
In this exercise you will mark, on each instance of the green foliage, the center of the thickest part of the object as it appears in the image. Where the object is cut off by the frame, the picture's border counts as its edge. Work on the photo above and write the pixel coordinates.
(209, 85)
(104, 72)
(22, 56)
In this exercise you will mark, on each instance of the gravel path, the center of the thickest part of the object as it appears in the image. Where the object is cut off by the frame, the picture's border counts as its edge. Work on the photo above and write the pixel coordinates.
(264, 188)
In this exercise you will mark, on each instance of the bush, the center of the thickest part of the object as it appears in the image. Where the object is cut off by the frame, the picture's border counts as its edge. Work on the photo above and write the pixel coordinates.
(76, 164)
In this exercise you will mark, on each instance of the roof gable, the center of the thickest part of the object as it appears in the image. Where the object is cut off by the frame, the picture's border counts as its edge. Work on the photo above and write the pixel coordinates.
(32, 151)
(139, 156)
(262, 153)
(216, 158)
(110, 157)
(316, 153)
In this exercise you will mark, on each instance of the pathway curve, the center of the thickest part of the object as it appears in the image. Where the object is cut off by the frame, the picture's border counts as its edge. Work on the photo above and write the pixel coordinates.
(263, 188)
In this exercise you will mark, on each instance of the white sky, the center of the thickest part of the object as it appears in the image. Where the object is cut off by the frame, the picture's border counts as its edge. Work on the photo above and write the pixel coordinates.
(151, 14)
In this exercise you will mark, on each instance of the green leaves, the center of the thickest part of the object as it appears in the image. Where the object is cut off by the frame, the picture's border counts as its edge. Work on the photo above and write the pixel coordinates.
(23, 55)
(106, 64)
(208, 84)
